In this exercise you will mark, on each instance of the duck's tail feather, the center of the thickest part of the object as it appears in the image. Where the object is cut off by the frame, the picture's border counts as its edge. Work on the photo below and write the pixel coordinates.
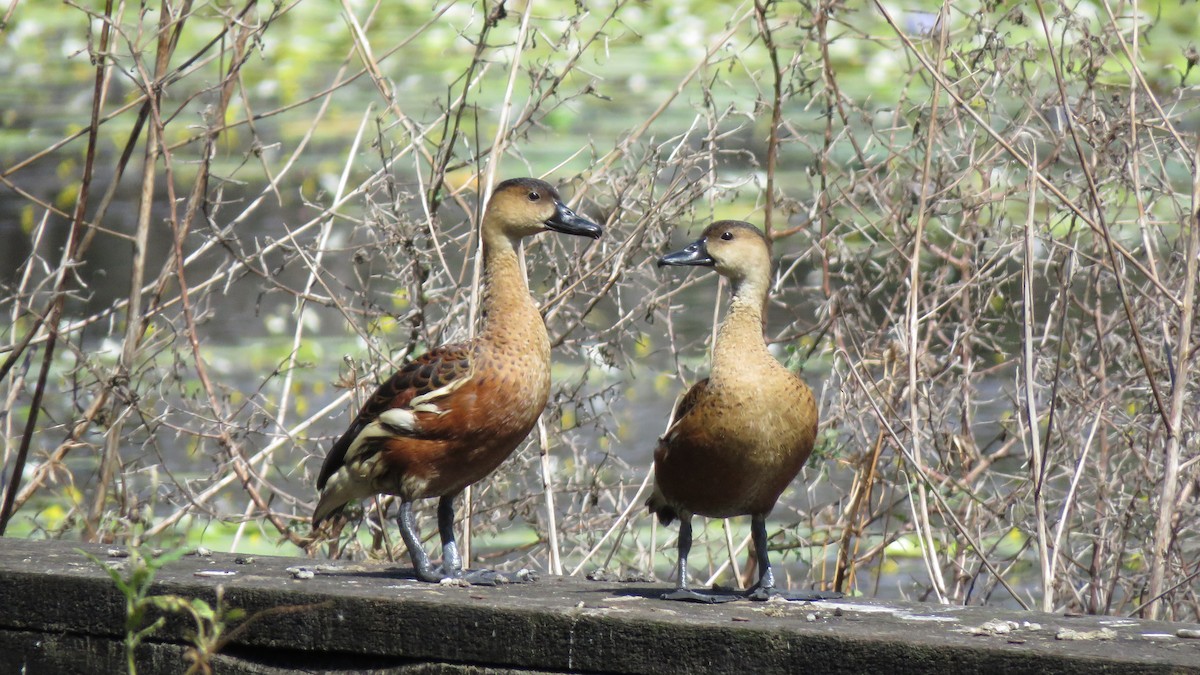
(339, 491)
(657, 504)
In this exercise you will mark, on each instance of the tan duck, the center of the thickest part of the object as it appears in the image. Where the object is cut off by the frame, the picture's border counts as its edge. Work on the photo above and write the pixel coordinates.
(451, 416)
(740, 436)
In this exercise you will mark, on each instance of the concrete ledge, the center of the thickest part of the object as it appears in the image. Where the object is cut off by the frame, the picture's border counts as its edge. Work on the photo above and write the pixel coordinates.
(60, 613)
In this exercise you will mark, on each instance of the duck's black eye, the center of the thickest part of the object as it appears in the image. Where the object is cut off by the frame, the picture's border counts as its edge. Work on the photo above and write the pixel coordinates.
(727, 235)
(534, 196)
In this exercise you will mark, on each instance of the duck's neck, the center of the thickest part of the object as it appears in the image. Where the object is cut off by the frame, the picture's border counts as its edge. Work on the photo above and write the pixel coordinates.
(741, 335)
(508, 310)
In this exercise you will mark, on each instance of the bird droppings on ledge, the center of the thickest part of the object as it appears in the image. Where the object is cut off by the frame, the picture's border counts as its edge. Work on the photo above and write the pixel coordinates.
(773, 609)
(301, 573)
(633, 576)
(907, 613)
(998, 627)
(1116, 621)
(1072, 634)
(216, 574)
(310, 571)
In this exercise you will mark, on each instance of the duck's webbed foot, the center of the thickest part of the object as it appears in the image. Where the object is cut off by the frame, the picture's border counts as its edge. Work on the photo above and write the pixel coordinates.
(688, 595)
(428, 575)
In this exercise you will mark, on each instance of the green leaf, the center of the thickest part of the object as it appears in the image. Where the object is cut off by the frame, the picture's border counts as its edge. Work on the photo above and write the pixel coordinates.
(203, 609)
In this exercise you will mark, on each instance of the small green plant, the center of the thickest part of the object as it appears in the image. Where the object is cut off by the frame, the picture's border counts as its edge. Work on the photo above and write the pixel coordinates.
(211, 625)
(135, 578)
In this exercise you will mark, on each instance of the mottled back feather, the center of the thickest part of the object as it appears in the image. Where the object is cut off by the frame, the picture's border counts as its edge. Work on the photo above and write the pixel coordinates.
(429, 372)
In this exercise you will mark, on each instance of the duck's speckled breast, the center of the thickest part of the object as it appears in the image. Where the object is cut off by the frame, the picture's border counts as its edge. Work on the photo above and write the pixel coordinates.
(514, 373)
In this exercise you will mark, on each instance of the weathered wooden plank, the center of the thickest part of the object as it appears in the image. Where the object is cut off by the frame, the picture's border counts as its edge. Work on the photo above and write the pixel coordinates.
(367, 617)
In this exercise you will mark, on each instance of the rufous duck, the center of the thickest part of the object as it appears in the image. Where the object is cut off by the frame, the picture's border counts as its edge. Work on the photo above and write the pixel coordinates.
(449, 417)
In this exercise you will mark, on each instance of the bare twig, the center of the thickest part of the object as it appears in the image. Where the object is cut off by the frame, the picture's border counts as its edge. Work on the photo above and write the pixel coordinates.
(1164, 528)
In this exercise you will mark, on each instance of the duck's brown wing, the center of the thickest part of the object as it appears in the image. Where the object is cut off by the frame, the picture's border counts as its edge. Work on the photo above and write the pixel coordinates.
(682, 407)
(657, 502)
(689, 400)
(420, 382)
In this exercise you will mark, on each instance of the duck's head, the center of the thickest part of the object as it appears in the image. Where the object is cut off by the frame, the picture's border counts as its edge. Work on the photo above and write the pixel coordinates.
(521, 207)
(737, 250)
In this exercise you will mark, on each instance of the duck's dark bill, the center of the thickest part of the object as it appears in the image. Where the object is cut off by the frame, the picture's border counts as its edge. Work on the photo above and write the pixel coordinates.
(693, 254)
(568, 222)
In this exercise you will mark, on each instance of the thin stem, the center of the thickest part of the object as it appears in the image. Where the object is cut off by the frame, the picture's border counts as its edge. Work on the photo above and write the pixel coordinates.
(1037, 467)
(1164, 528)
(555, 561)
(913, 326)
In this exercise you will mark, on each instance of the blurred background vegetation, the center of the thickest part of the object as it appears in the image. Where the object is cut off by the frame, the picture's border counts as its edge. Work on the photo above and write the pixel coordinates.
(224, 222)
